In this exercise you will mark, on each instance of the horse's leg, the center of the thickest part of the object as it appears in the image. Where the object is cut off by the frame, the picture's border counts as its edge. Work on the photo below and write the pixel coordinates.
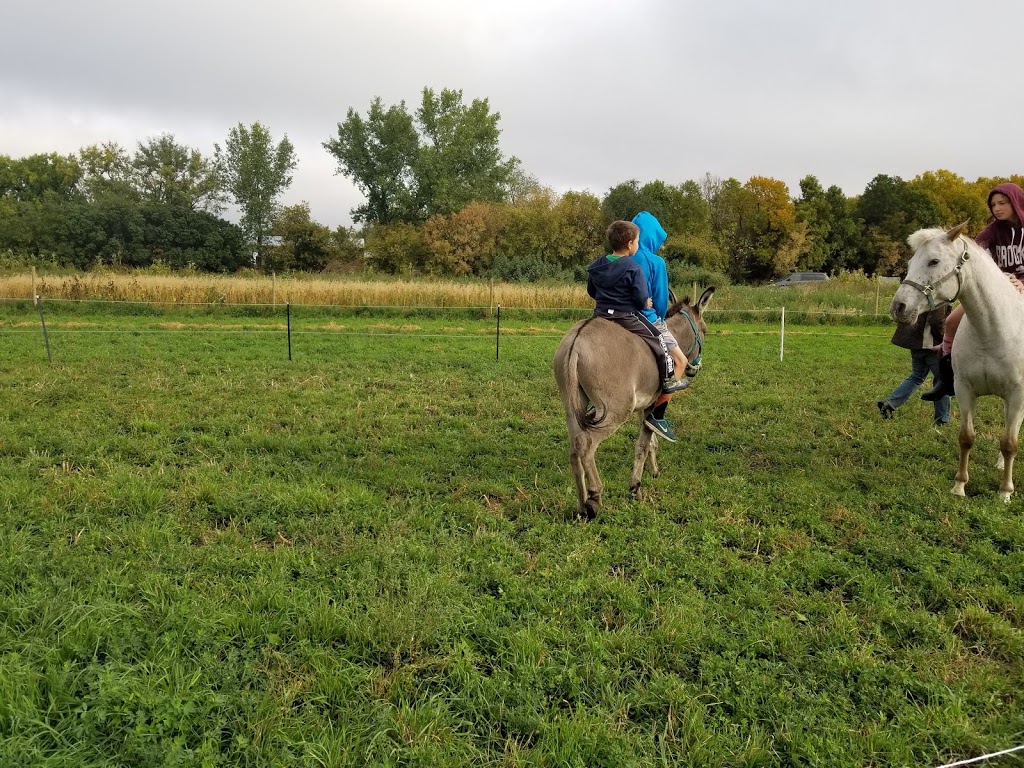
(1013, 415)
(967, 402)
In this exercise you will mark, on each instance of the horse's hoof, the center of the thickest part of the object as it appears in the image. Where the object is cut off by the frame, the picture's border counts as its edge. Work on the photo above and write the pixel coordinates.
(635, 490)
(589, 512)
(1005, 496)
(958, 490)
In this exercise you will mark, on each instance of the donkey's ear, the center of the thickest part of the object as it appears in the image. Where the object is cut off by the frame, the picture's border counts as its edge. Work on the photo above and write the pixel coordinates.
(954, 233)
(705, 297)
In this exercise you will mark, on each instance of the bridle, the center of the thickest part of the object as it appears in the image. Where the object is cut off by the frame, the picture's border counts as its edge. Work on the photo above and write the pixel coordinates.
(929, 290)
(698, 343)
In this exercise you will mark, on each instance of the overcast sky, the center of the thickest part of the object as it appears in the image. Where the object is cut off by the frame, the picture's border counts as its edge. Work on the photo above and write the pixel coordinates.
(591, 93)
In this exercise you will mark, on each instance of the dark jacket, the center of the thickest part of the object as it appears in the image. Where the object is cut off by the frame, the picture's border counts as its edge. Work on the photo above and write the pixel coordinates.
(1005, 241)
(617, 285)
(923, 333)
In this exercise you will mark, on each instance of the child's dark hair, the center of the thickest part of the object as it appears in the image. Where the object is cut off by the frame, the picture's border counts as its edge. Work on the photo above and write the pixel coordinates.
(620, 234)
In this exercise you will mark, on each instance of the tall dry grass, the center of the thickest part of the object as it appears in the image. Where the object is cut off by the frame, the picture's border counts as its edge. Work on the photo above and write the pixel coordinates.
(850, 295)
(228, 289)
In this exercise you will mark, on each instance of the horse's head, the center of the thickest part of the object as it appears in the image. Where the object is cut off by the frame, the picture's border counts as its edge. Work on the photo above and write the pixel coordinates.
(933, 274)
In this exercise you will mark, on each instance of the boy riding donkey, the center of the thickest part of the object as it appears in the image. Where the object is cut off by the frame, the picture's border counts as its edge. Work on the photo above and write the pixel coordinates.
(619, 287)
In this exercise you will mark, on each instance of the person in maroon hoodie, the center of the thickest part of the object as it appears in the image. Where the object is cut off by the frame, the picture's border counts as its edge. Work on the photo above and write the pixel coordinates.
(1004, 239)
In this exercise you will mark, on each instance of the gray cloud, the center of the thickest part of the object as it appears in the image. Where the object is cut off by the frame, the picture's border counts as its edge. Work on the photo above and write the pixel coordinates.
(590, 93)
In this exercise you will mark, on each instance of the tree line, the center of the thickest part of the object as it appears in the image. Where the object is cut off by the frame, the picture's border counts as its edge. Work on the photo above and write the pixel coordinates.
(442, 199)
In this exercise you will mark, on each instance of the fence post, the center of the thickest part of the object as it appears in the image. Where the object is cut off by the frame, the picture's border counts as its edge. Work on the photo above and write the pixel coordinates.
(695, 293)
(490, 301)
(782, 335)
(42, 319)
(288, 313)
(273, 288)
(35, 298)
(878, 288)
(497, 336)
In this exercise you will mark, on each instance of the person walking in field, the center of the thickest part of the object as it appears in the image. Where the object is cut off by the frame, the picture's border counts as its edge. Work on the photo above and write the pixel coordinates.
(920, 338)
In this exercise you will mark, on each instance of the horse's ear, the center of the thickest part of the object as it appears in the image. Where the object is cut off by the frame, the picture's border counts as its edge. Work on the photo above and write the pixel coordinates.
(954, 233)
(705, 297)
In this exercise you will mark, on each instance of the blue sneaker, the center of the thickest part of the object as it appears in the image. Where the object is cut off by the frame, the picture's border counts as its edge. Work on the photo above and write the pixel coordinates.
(660, 427)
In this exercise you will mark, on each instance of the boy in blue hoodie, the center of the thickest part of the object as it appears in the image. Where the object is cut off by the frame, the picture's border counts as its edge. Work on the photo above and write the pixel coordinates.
(619, 288)
(652, 237)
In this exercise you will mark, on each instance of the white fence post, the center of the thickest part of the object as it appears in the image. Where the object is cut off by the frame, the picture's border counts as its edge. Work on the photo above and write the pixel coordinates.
(782, 335)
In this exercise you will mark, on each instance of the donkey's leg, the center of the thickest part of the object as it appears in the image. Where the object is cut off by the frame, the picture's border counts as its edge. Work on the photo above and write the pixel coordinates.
(646, 444)
(588, 481)
(1013, 415)
(577, 446)
(967, 402)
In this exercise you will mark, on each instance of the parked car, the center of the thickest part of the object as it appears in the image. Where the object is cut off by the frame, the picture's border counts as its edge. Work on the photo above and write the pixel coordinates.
(801, 278)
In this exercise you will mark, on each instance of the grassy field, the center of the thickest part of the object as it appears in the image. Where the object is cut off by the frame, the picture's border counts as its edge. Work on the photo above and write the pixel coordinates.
(212, 556)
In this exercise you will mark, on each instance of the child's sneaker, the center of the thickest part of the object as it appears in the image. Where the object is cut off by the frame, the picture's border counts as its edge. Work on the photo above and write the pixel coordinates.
(672, 384)
(660, 427)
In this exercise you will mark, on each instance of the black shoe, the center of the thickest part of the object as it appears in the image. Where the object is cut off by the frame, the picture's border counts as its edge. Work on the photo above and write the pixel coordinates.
(885, 409)
(943, 384)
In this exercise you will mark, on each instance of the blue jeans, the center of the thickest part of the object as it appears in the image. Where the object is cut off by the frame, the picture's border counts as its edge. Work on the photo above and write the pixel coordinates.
(921, 361)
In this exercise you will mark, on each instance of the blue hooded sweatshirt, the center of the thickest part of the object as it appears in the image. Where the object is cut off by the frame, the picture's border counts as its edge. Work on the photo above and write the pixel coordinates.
(652, 237)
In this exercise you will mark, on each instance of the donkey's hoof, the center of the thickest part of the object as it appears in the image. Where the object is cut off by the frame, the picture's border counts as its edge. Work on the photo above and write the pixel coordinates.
(1006, 496)
(589, 511)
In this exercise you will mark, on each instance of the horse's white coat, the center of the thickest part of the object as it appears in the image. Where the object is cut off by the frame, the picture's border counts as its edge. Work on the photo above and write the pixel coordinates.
(988, 351)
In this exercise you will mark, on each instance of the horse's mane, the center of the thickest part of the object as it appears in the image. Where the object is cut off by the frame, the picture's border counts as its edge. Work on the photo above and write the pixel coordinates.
(922, 236)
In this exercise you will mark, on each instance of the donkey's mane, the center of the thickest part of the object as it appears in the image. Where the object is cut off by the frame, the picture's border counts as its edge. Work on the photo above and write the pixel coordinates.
(677, 307)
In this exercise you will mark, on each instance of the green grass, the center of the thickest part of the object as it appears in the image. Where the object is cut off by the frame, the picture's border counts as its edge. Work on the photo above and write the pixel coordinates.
(210, 555)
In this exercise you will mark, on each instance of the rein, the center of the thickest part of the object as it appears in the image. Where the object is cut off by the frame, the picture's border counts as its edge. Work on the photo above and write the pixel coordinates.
(697, 345)
(929, 290)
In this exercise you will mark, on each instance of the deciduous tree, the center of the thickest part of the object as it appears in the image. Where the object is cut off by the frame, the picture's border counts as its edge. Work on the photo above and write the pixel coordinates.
(436, 163)
(170, 173)
(256, 171)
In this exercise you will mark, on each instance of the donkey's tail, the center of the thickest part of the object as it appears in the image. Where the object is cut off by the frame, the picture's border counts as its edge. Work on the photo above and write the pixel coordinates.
(586, 419)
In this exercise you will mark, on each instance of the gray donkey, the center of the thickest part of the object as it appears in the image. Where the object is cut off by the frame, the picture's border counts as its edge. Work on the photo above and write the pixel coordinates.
(601, 363)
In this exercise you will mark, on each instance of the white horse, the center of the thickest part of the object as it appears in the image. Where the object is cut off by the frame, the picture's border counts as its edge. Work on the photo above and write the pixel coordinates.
(988, 351)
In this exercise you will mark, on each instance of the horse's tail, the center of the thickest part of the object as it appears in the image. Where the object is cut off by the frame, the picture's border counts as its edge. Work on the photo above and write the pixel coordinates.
(584, 419)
